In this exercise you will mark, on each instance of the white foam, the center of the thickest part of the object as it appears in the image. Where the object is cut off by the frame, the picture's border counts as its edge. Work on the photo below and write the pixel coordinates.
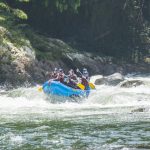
(29, 100)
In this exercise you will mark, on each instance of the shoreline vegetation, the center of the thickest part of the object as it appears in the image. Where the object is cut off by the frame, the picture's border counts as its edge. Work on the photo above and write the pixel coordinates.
(29, 50)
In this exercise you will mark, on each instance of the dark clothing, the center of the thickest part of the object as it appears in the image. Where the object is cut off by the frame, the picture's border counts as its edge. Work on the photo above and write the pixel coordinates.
(79, 74)
(61, 78)
(54, 75)
(73, 81)
(73, 78)
(84, 82)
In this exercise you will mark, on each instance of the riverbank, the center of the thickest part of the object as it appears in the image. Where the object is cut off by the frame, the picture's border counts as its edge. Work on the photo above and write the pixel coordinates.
(27, 56)
(34, 56)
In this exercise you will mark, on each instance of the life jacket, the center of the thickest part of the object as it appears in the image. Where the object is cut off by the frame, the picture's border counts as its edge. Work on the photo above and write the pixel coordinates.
(61, 78)
(54, 75)
(73, 77)
(84, 82)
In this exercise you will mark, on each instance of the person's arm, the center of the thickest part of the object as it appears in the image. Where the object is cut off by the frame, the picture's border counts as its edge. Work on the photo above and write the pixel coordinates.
(55, 79)
(75, 80)
(79, 73)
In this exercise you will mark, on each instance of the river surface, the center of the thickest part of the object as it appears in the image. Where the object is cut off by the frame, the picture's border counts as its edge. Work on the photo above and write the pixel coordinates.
(112, 118)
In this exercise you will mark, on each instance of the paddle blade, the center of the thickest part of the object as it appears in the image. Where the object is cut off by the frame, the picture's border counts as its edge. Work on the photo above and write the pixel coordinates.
(92, 86)
(40, 89)
(81, 86)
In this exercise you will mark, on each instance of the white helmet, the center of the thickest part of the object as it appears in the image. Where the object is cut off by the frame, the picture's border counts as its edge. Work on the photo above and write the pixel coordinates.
(60, 70)
(84, 69)
(56, 69)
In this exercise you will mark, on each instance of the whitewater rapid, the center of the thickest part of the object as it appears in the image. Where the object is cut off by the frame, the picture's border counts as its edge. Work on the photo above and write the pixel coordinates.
(25, 110)
(103, 96)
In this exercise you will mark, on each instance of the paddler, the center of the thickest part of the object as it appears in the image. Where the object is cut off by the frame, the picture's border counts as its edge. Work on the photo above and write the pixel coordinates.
(73, 80)
(61, 76)
(85, 79)
(55, 73)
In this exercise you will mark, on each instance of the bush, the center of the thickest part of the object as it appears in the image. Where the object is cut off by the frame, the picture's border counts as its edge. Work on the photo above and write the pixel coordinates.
(20, 14)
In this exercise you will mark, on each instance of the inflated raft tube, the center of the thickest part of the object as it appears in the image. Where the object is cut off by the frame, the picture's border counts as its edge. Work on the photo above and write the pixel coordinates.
(57, 88)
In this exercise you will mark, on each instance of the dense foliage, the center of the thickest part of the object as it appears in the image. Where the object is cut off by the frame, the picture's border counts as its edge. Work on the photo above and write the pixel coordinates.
(120, 29)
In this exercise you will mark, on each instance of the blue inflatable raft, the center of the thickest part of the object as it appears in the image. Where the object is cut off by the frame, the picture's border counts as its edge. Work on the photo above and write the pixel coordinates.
(57, 88)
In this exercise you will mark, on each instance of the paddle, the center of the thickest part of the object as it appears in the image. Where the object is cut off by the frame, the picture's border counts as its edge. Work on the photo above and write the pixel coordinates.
(81, 86)
(92, 86)
(40, 89)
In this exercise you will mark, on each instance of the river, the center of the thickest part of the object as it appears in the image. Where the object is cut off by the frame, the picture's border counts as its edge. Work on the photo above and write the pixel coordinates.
(111, 118)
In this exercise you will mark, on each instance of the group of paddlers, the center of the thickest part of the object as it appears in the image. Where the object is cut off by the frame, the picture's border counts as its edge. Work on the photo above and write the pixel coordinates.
(72, 79)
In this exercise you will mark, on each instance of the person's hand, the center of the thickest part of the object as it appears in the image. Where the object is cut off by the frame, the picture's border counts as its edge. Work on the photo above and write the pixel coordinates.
(49, 81)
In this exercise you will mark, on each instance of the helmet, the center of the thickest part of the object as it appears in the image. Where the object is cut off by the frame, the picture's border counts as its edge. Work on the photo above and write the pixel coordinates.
(71, 71)
(84, 69)
(85, 72)
(60, 70)
(56, 69)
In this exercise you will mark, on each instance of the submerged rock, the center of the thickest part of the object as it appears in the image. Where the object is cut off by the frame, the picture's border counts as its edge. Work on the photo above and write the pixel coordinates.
(131, 83)
(113, 79)
(97, 79)
(140, 110)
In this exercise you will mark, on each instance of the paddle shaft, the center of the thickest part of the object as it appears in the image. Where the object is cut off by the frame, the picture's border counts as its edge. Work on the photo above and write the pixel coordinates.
(82, 74)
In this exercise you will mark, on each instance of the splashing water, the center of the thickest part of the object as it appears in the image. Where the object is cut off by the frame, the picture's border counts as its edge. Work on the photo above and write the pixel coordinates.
(111, 118)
